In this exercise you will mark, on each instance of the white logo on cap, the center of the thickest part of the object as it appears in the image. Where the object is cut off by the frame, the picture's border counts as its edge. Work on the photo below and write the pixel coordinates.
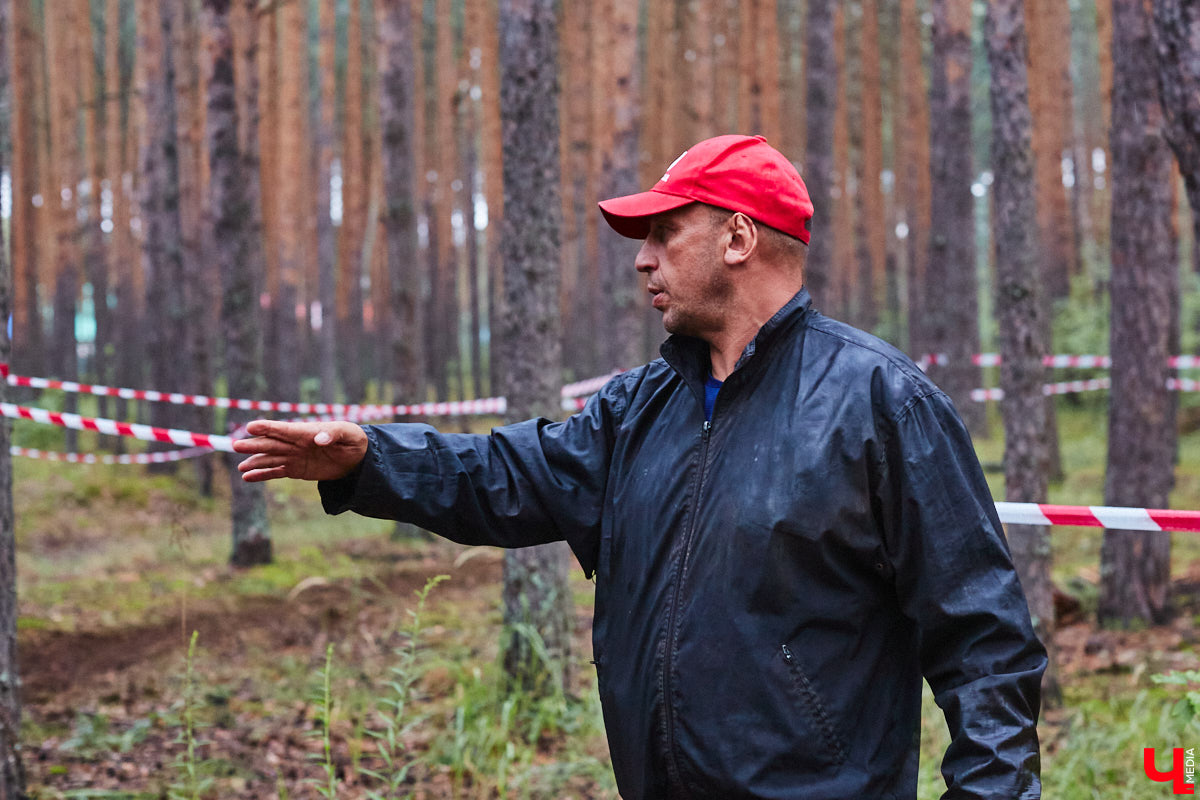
(667, 175)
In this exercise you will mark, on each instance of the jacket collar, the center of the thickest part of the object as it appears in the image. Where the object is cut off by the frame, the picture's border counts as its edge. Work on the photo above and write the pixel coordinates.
(689, 356)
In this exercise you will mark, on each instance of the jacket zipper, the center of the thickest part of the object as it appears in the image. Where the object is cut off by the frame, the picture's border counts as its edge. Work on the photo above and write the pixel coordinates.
(668, 655)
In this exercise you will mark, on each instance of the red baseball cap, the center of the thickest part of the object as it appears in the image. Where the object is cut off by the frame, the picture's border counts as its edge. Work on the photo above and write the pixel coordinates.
(739, 173)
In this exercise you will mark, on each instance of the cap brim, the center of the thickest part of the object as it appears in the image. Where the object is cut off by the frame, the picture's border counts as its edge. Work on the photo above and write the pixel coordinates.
(630, 215)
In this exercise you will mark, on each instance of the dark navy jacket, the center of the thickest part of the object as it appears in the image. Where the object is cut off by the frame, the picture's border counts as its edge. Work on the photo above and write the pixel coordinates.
(771, 586)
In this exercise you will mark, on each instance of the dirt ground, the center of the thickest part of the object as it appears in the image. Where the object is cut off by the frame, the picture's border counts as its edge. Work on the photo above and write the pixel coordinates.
(131, 678)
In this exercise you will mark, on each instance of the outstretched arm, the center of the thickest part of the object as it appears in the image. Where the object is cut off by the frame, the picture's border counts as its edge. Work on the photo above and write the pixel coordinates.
(310, 451)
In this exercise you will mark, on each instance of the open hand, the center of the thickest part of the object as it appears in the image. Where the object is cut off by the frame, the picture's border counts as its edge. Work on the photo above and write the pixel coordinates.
(310, 451)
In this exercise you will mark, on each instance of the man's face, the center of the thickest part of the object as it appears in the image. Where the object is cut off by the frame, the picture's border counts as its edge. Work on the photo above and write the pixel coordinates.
(682, 258)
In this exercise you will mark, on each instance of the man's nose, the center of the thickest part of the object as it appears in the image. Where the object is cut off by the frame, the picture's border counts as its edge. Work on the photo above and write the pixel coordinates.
(644, 262)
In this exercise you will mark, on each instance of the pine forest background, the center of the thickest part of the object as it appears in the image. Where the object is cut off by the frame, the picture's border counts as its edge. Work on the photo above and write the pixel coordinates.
(369, 201)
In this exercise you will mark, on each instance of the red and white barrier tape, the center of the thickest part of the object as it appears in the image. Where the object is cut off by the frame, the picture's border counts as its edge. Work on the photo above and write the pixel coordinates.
(1075, 387)
(1134, 519)
(588, 386)
(114, 428)
(109, 458)
(1085, 361)
(487, 405)
(361, 415)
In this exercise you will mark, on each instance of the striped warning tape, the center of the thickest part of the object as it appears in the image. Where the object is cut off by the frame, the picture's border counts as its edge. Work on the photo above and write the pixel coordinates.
(110, 458)
(1080, 361)
(362, 414)
(114, 428)
(1133, 519)
(487, 405)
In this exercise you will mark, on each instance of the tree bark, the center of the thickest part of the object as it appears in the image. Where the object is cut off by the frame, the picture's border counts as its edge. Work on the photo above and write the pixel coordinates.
(27, 317)
(1050, 101)
(12, 775)
(199, 299)
(952, 323)
(535, 579)
(166, 303)
(294, 180)
(621, 287)
(354, 211)
(1177, 43)
(817, 170)
(396, 86)
(1135, 567)
(871, 230)
(913, 172)
(236, 248)
(1019, 308)
(324, 141)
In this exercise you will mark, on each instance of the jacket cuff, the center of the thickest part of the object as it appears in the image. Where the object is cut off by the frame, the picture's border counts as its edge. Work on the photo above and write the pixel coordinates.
(340, 495)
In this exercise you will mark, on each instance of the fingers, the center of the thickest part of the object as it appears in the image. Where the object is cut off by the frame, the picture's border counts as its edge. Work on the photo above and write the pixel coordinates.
(259, 475)
(262, 461)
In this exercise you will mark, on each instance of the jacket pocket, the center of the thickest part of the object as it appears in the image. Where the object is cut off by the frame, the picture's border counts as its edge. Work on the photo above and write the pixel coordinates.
(811, 705)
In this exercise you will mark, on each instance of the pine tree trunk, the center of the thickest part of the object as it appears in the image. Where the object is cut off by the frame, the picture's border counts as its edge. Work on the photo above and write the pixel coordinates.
(397, 83)
(821, 70)
(12, 776)
(842, 275)
(445, 303)
(326, 246)
(621, 286)
(536, 595)
(166, 303)
(913, 173)
(295, 214)
(63, 90)
(199, 300)
(354, 210)
(953, 320)
(871, 232)
(27, 317)
(1135, 567)
(1019, 309)
(1177, 43)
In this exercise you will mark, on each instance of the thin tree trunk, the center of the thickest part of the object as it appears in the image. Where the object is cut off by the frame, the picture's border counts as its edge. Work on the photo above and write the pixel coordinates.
(445, 304)
(953, 320)
(354, 209)
(62, 63)
(295, 215)
(1177, 43)
(621, 287)
(493, 184)
(396, 86)
(199, 301)
(842, 277)
(913, 172)
(535, 579)
(871, 232)
(1135, 567)
(166, 303)
(326, 246)
(1019, 308)
(237, 249)
(27, 321)
(821, 69)
(12, 775)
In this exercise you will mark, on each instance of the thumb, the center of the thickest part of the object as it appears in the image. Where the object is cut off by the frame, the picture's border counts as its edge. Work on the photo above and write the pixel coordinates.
(322, 438)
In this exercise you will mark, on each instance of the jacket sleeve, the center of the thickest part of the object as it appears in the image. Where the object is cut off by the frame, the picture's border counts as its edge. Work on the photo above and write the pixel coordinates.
(954, 576)
(524, 484)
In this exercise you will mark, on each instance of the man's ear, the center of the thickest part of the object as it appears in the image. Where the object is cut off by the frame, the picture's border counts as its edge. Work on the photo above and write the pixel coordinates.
(741, 239)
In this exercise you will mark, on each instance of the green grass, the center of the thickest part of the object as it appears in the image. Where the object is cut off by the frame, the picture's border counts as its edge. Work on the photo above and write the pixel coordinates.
(111, 546)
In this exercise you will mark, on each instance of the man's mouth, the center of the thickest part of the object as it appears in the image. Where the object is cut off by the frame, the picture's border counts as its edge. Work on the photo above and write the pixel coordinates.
(659, 297)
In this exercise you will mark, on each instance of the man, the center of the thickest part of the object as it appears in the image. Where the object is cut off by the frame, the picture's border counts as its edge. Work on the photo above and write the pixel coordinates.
(786, 520)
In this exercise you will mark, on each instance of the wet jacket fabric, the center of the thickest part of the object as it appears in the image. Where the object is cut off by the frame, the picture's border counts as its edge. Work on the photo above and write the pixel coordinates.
(770, 586)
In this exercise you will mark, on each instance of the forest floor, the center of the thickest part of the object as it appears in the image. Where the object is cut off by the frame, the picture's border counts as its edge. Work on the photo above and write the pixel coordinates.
(117, 568)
